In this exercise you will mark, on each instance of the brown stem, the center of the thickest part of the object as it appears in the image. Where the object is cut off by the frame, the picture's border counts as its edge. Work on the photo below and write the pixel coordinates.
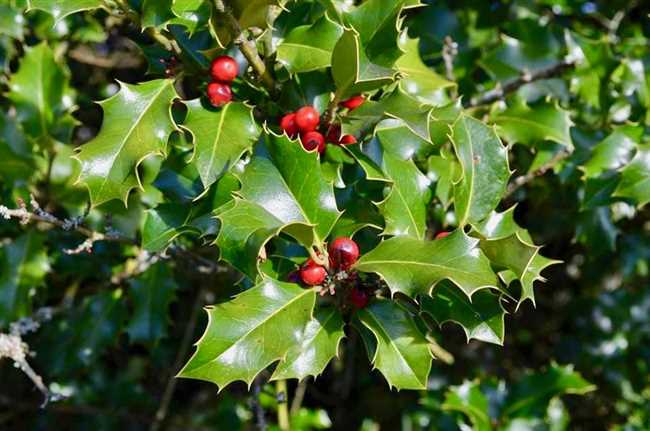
(525, 179)
(500, 91)
(168, 394)
(246, 46)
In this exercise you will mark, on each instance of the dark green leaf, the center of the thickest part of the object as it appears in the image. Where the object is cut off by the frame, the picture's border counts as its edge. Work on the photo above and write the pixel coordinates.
(402, 352)
(413, 266)
(261, 324)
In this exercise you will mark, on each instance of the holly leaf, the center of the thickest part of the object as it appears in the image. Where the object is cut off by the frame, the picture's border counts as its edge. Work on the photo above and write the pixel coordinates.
(397, 139)
(221, 137)
(11, 21)
(151, 292)
(614, 152)
(418, 80)
(405, 207)
(531, 395)
(402, 352)
(482, 318)
(315, 349)
(283, 189)
(156, 13)
(378, 24)
(59, 9)
(522, 124)
(261, 324)
(353, 71)
(484, 163)
(414, 266)
(469, 400)
(16, 156)
(444, 172)
(309, 47)
(192, 14)
(508, 246)
(137, 124)
(39, 91)
(635, 178)
(23, 265)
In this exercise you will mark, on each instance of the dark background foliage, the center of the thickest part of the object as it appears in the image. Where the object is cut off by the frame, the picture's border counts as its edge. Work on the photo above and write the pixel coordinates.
(592, 312)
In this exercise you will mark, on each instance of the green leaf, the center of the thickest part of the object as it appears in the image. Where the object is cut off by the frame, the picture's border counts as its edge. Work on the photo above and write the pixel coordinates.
(444, 172)
(482, 318)
(397, 139)
(614, 152)
(318, 344)
(309, 47)
(635, 178)
(283, 189)
(261, 325)
(359, 213)
(414, 115)
(11, 21)
(16, 157)
(402, 352)
(353, 71)
(163, 224)
(469, 400)
(39, 91)
(192, 14)
(23, 266)
(405, 207)
(59, 9)
(484, 162)
(378, 24)
(522, 124)
(156, 13)
(532, 394)
(137, 124)
(412, 266)
(418, 80)
(220, 137)
(509, 246)
(151, 292)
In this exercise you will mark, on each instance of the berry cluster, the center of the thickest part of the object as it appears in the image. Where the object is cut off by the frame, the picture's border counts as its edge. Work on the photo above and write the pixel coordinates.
(343, 253)
(305, 122)
(224, 70)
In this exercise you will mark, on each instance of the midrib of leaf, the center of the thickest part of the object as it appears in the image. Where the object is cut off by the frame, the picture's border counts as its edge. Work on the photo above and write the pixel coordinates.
(128, 134)
(262, 324)
(412, 262)
(408, 210)
(473, 172)
(393, 345)
(308, 47)
(213, 153)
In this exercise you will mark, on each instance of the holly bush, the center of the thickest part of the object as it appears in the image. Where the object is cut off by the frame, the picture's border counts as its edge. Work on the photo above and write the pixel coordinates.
(332, 181)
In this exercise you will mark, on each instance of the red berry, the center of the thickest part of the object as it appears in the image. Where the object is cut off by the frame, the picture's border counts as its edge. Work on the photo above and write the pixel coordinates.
(219, 94)
(353, 102)
(343, 252)
(288, 124)
(359, 298)
(307, 119)
(224, 68)
(347, 140)
(333, 133)
(311, 140)
(442, 234)
(312, 273)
